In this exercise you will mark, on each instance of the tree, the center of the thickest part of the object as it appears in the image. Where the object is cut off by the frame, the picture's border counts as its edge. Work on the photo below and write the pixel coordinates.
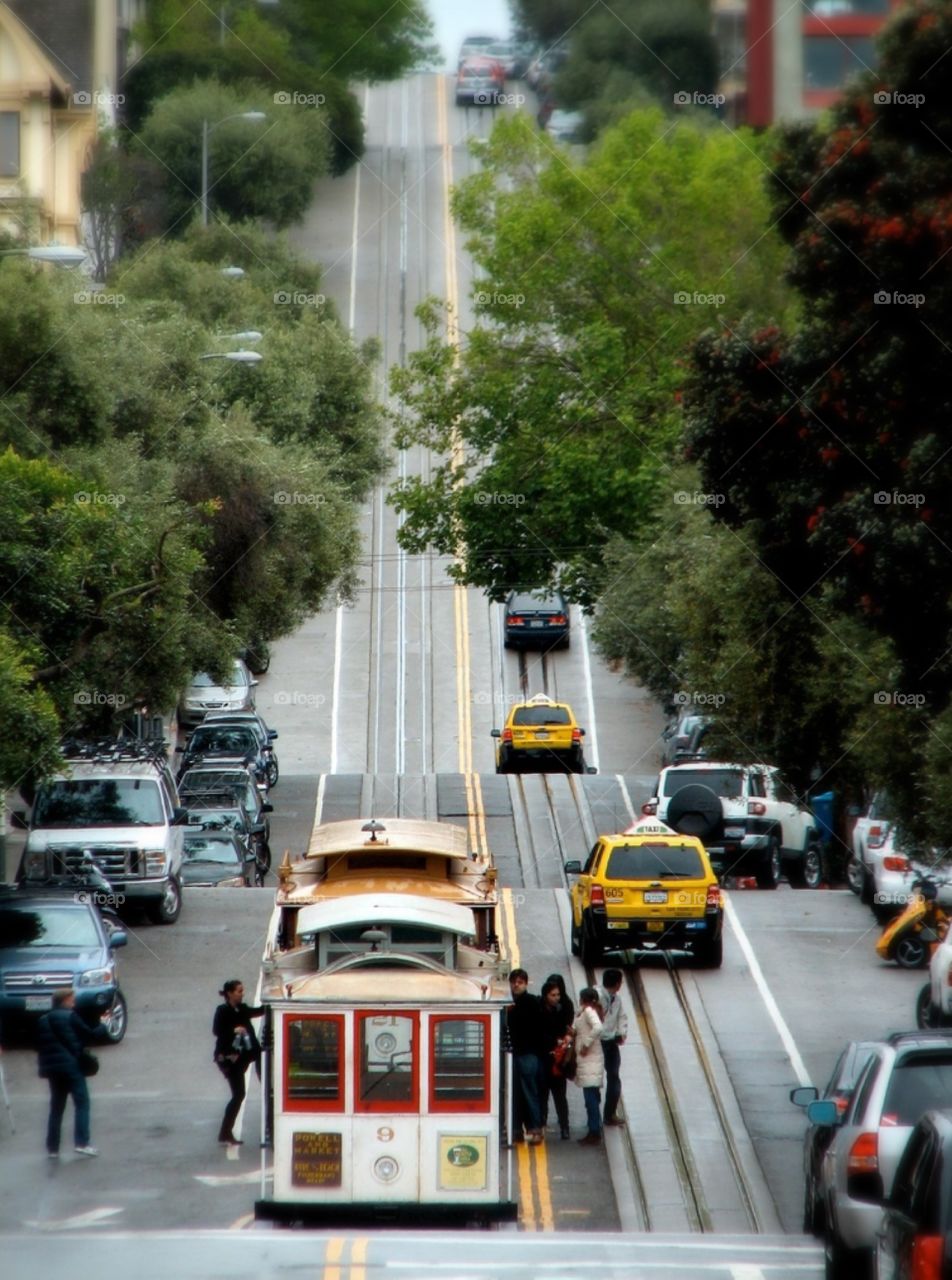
(562, 414)
(107, 190)
(828, 442)
(260, 169)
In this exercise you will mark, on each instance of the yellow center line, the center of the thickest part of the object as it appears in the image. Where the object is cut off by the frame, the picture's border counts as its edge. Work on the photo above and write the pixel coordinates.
(541, 1161)
(527, 1213)
(333, 1254)
(508, 923)
(358, 1256)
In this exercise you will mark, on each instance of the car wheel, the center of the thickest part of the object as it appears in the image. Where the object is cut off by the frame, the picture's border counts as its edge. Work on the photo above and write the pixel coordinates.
(504, 761)
(867, 892)
(273, 773)
(911, 952)
(590, 952)
(695, 810)
(577, 764)
(168, 907)
(842, 1263)
(812, 1213)
(768, 873)
(264, 856)
(117, 1020)
(259, 875)
(855, 876)
(573, 939)
(925, 1010)
(883, 912)
(807, 872)
(710, 955)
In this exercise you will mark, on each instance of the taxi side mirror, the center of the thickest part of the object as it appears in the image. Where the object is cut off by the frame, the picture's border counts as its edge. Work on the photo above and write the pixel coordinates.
(581, 733)
(803, 1095)
(824, 1112)
(573, 868)
(494, 733)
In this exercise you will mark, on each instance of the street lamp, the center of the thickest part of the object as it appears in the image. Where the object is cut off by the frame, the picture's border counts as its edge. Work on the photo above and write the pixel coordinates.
(238, 357)
(233, 273)
(207, 130)
(249, 335)
(63, 255)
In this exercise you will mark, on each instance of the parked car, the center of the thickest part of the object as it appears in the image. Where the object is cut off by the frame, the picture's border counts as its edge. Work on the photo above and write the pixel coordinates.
(537, 619)
(473, 46)
(750, 821)
(683, 738)
(914, 1240)
(479, 83)
(907, 1074)
(816, 1140)
(217, 857)
(119, 802)
(203, 694)
(50, 939)
(566, 126)
(266, 737)
(506, 53)
(226, 806)
(217, 744)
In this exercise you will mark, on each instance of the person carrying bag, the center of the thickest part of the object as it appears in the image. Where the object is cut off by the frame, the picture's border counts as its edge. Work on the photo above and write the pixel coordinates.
(65, 1062)
(236, 1047)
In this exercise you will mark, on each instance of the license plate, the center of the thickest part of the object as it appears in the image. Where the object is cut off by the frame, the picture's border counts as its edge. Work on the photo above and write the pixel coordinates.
(34, 1004)
(541, 735)
(537, 623)
(733, 833)
(655, 926)
(618, 924)
(656, 895)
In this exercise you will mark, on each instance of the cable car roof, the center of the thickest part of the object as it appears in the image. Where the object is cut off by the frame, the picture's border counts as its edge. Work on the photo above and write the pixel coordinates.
(382, 986)
(398, 835)
(386, 908)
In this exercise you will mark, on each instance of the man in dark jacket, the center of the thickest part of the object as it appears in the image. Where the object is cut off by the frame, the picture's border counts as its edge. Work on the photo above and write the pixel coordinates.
(61, 1037)
(526, 1037)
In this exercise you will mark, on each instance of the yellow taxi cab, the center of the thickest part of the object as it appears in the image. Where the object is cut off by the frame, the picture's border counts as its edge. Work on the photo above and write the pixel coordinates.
(648, 889)
(540, 733)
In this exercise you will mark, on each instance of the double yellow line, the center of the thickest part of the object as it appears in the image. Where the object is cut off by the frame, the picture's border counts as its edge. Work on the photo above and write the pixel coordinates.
(337, 1265)
(535, 1197)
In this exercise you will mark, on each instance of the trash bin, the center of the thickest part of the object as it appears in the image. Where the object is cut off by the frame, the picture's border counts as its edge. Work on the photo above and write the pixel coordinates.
(822, 806)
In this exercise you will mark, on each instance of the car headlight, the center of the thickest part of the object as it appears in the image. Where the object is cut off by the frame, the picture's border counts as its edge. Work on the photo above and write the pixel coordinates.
(97, 977)
(34, 865)
(236, 882)
(154, 862)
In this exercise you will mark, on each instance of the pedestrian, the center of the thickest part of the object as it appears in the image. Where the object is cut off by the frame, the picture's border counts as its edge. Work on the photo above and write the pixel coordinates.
(526, 1037)
(62, 1036)
(590, 1071)
(236, 1047)
(558, 1014)
(614, 1033)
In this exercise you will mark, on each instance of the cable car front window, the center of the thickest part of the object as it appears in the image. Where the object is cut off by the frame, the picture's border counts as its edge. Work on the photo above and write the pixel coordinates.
(386, 1060)
(314, 1050)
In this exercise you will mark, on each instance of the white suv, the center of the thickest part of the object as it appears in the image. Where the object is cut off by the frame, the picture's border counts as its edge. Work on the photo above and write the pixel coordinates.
(749, 820)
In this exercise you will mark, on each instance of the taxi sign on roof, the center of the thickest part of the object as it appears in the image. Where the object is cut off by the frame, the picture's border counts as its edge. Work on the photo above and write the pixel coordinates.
(649, 827)
(540, 700)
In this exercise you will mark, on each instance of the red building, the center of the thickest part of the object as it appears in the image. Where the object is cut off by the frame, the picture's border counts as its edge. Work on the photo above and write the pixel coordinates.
(800, 55)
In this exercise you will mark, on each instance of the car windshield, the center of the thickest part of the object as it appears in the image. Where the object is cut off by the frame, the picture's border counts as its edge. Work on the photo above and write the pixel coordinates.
(227, 781)
(48, 926)
(208, 849)
(99, 802)
(541, 715)
(655, 862)
(230, 739)
(231, 818)
(203, 680)
(728, 783)
(918, 1084)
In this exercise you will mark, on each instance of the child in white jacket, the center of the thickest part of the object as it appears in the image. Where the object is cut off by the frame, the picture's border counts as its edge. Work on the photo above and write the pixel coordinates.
(590, 1070)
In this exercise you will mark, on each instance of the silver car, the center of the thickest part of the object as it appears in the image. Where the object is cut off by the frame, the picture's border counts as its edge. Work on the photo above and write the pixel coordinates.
(203, 694)
(907, 1074)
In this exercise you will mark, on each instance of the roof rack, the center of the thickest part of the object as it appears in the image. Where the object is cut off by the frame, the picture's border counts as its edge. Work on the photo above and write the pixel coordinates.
(114, 750)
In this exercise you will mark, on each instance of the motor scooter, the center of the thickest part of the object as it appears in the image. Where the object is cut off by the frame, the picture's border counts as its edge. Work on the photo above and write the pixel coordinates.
(911, 938)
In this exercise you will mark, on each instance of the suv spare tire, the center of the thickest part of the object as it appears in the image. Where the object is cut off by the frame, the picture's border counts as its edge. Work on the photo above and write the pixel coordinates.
(695, 810)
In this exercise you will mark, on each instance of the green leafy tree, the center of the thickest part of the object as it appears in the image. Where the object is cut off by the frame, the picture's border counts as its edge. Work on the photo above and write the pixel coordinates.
(827, 441)
(260, 169)
(561, 416)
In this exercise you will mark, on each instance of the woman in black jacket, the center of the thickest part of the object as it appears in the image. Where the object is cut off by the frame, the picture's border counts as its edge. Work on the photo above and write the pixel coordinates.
(236, 1047)
(558, 1014)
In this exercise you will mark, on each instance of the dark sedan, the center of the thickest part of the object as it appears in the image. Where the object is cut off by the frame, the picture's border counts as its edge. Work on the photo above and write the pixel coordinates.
(216, 857)
(216, 744)
(539, 619)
